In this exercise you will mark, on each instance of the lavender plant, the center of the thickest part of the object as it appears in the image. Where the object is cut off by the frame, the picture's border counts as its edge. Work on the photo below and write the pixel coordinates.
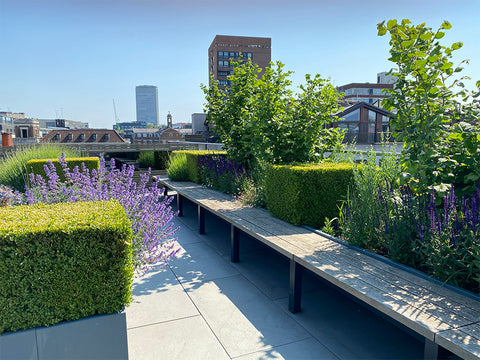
(220, 173)
(147, 208)
(9, 196)
(443, 241)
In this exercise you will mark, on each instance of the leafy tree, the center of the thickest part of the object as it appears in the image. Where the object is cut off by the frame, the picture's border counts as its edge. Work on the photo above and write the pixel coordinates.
(263, 119)
(433, 112)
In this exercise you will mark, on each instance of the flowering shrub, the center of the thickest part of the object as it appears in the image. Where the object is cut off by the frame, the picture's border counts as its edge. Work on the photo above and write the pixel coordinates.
(9, 196)
(443, 241)
(218, 172)
(148, 210)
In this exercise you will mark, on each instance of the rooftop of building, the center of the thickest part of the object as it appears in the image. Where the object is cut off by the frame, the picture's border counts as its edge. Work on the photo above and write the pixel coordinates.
(83, 136)
(365, 86)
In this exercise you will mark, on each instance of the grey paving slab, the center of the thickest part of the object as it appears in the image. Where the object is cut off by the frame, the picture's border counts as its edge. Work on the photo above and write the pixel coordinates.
(185, 235)
(269, 271)
(243, 319)
(197, 262)
(158, 297)
(308, 349)
(351, 331)
(183, 339)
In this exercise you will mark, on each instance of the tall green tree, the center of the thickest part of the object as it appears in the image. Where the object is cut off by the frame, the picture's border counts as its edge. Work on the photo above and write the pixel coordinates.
(434, 111)
(262, 119)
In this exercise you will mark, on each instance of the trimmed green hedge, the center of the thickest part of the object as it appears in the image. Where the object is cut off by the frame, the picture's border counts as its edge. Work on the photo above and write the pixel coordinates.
(192, 162)
(307, 194)
(63, 262)
(36, 166)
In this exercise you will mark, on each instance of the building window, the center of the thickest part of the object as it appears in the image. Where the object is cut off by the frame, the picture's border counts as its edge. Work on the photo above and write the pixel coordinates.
(94, 137)
(353, 116)
(56, 137)
(81, 137)
(223, 63)
(224, 82)
(69, 137)
(224, 73)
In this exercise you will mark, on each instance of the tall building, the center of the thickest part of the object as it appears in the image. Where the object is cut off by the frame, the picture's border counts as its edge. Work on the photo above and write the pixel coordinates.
(147, 103)
(225, 49)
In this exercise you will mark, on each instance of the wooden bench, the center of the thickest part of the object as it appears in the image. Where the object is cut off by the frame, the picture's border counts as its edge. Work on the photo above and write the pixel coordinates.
(440, 314)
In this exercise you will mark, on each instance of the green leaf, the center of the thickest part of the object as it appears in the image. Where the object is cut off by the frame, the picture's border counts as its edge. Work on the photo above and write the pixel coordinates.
(426, 36)
(407, 44)
(446, 25)
(457, 45)
(420, 63)
(439, 35)
(391, 24)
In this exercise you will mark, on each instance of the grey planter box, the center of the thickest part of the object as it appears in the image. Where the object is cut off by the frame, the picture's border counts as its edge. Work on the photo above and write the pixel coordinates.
(95, 337)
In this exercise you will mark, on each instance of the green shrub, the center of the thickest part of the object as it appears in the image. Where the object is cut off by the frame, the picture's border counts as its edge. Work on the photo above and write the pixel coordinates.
(177, 167)
(146, 159)
(307, 194)
(36, 166)
(161, 159)
(62, 262)
(13, 169)
(192, 167)
(359, 220)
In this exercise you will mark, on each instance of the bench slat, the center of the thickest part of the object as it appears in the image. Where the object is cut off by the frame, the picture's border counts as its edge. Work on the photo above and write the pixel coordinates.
(464, 342)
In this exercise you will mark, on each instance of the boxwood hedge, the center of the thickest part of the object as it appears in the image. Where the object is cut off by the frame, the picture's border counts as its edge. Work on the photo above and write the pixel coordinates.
(307, 194)
(62, 262)
(36, 166)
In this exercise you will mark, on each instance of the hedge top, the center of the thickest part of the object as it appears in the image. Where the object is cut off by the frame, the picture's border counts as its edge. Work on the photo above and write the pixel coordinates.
(44, 217)
(316, 166)
(76, 159)
(200, 152)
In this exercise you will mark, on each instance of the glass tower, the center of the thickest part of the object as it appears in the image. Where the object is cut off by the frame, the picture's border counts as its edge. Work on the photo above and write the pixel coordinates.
(147, 103)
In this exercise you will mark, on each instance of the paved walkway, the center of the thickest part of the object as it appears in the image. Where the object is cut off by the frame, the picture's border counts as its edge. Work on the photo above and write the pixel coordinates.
(202, 306)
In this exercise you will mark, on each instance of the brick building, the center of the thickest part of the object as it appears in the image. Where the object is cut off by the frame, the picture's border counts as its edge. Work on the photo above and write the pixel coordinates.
(78, 136)
(226, 49)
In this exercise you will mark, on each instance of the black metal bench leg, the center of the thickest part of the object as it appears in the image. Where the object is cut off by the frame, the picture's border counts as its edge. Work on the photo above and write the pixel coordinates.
(201, 219)
(431, 350)
(234, 244)
(295, 291)
(180, 204)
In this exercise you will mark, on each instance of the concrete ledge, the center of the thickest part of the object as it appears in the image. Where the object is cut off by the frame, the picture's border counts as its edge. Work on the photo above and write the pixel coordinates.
(94, 337)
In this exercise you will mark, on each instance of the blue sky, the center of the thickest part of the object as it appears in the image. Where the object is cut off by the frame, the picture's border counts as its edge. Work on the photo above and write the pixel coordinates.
(70, 58)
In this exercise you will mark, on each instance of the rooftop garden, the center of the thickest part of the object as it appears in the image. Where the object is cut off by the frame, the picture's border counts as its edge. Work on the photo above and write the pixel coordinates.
(419, 207)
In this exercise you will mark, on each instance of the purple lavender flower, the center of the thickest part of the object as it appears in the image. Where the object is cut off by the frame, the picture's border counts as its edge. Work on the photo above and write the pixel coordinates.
(147, 208)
